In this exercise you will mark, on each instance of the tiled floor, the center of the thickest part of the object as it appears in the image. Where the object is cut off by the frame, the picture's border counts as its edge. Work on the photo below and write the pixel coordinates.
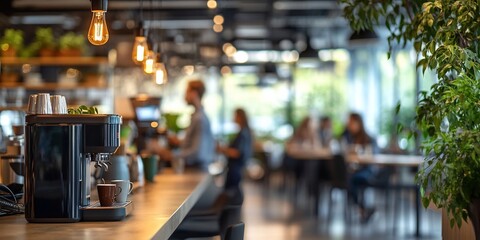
(269, 214)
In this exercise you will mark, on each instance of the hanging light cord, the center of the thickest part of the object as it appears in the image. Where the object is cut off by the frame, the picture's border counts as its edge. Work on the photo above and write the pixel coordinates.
(141, 11)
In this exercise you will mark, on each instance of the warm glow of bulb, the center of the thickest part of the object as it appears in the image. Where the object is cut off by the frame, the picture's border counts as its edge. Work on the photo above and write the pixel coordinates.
(149, 63)
(218, 19)
(154, 124)
(225, 70)
(140, 49)
(217, 28)
(229, 49)
(98, 32)
(161, 76)
(189, 70)
(212, 4)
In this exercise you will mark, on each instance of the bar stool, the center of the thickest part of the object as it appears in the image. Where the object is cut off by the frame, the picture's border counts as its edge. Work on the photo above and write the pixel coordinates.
(209, 222)
(235, 232)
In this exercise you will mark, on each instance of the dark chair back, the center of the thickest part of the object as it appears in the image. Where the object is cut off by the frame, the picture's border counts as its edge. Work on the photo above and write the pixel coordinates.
(382, 178)
(339, 172)
(235, 232)
(220, 203)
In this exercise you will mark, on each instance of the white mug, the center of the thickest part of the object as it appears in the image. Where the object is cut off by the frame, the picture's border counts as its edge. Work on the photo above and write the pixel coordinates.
(126, 187)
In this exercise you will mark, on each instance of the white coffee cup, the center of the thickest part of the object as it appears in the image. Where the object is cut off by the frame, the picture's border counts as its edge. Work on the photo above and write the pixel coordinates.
(126, 187)
(43, 104)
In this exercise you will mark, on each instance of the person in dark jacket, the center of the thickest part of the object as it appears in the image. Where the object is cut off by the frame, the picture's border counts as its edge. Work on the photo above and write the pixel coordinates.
(238, 153)
(357, 140)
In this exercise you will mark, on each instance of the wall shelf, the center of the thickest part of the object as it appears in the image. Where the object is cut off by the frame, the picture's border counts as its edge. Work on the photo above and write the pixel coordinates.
(95, 88)
(52, 86)
(57, 61)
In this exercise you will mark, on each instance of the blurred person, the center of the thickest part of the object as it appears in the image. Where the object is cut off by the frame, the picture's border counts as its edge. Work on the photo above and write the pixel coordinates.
(325, 131)
(355, 138)
(238, 152)
(303, 140)
(302, 146)
(197, 148)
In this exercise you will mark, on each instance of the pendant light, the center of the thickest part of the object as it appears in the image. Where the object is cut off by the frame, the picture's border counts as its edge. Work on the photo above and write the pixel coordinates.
(161, 75)
(140, 46)
(309, 52)
(363, 37)
(98, 31)
(149, 63)
(151, 59)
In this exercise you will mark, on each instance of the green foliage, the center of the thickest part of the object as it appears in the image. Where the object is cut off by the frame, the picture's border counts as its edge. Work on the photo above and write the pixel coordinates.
(44, 38)
(12, 37)
(399, 123)
(71, 40)
(171, 122)
(446, 34)
(83, 110)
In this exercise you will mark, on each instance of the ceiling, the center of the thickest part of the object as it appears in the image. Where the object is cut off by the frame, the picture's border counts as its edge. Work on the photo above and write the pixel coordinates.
(249, 24)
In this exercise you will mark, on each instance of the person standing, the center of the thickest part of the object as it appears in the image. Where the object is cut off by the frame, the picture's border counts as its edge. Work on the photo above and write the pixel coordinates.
(197, 148)
(238, 153)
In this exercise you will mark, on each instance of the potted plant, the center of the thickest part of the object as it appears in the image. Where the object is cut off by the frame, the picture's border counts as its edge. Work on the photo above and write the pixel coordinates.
(11, 42)
(71, 44)
(446, 34)
(44, 42)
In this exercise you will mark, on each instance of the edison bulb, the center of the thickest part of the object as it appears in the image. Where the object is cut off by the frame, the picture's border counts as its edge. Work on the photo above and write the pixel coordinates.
(161, 76)
(140, 49)
(98, 32)
(149, 63)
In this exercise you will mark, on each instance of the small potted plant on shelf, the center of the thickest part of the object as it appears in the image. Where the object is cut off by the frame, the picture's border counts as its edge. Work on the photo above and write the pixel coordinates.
(44, 42)
(11, 42)
(71, 44)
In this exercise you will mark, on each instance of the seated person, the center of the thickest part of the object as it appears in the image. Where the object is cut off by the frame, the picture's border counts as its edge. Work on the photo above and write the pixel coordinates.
(355, 138)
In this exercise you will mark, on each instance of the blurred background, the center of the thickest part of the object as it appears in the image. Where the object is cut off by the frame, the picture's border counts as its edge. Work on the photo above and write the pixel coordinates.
(280, 60)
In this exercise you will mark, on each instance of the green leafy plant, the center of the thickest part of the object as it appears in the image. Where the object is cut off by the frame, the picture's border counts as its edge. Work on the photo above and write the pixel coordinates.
(446, 34)
(83, 110)
(171, 122)
(71, 40)
(44, 38)
(12, 39)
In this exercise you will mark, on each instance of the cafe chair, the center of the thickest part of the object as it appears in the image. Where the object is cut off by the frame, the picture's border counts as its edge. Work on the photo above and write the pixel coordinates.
(339, 180)
(211, 222)
(382, 182)
(235, 232)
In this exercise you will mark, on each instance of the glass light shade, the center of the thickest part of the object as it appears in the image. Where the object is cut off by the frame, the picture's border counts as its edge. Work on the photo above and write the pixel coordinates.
(149, 63)
(161, 75)
(140, 50)
(98, 32)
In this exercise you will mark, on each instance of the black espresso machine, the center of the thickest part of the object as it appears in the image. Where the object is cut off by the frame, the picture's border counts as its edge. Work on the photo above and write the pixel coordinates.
(59, 149)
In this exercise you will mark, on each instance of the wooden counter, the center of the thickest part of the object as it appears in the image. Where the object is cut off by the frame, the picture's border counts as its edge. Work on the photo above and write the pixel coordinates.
(159, 208)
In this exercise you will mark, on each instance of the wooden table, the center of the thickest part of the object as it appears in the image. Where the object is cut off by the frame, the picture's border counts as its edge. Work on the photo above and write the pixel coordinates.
(387, 160)
(391, 160)
(394, 160)
(159, 208)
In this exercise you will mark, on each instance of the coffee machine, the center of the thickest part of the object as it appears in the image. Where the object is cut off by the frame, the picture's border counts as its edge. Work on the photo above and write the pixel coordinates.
(59, 149)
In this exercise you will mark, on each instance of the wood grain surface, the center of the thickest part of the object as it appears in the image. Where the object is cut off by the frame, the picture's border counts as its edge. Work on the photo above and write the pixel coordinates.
(159, 208)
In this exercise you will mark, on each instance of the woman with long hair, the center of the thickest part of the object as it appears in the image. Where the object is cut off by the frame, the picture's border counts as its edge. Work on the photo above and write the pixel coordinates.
(238, 153)
(357, 139)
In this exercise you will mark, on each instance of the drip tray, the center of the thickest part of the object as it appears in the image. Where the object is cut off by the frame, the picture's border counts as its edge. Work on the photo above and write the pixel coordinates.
(117, 212)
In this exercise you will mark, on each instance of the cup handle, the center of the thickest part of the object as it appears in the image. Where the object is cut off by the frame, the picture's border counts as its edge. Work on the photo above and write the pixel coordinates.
(131, 188)
(116, 194)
